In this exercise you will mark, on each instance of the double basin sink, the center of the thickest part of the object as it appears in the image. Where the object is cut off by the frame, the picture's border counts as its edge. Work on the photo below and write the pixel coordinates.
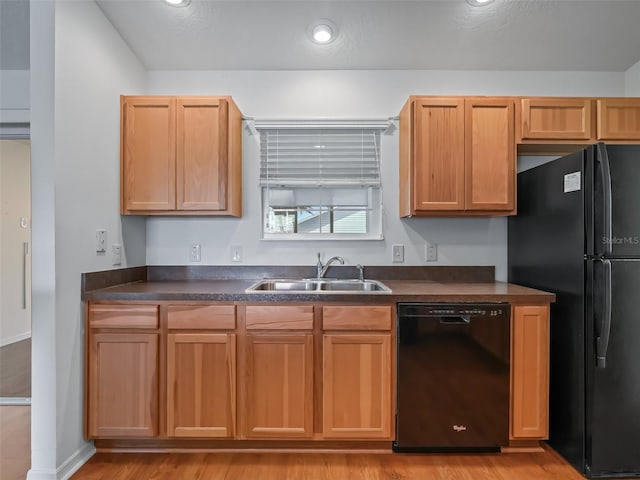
(323, 285)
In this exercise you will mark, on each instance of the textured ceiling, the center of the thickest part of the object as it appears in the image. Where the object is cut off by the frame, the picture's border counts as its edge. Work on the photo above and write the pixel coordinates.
(596, 35)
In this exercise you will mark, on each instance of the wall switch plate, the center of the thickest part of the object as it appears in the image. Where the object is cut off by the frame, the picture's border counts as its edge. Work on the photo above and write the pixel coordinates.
(194, 253)
(431, 252)
(101, 240)
(236, 253)
(397, 253)
(116, 252)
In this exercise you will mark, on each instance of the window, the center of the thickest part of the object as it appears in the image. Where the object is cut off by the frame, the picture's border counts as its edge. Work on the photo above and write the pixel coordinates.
(320, 183)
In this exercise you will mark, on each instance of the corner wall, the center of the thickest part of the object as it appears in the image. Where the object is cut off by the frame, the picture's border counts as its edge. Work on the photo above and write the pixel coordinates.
(80, 67)
(632, 81)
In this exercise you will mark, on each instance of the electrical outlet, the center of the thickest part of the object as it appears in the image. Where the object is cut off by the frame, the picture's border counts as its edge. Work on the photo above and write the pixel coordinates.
(431, 252)
(101, 240)
(236, 253)
(116, 252)
(397, 252)
(194, 253)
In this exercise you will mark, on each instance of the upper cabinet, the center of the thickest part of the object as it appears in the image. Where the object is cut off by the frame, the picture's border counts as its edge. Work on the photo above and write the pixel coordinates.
(544, 125)
(457, 156)
(181, 156)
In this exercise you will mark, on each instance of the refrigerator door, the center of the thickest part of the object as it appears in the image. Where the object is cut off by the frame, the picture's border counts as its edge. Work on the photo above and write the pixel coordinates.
(616, 170)
(613, 389)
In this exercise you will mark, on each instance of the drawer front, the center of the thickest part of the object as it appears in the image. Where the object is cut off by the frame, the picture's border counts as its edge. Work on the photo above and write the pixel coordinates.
(355, 317)
(123, 316)
(202, 317)
(272, 317)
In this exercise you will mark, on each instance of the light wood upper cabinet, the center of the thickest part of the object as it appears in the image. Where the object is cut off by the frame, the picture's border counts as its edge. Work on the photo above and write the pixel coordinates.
(490, 164)
(356, 386)
(201, 385)
(148, 156)
(181, 155)
(618, 119)
(123, 385)
(544, 120)
(457, 156)
(530, 372)
(279, 386)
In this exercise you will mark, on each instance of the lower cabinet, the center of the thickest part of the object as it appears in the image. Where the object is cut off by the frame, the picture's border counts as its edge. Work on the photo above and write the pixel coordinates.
(201, 385)
(530, 372)
(356, 386)
(123, 385)
(279, 385)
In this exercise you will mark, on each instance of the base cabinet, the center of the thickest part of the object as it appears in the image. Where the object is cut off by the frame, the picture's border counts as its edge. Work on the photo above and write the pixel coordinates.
(279, 386)
(530, 372)
(356, 381)
(201, 385)
(123, 385)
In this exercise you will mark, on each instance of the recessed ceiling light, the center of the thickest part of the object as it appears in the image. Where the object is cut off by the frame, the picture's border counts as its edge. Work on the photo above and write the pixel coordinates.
(178, 3)
(479, 3)
(323, 31)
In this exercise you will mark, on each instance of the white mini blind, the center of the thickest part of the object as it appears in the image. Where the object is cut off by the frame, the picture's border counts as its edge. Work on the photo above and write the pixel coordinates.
(321, 157)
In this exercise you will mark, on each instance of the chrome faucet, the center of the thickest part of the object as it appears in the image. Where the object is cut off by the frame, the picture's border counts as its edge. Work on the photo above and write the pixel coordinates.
(321, 270)
(361, 272)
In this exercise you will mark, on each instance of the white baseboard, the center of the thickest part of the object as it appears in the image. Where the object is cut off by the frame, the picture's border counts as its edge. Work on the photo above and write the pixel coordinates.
(15, 338)
(72, 464)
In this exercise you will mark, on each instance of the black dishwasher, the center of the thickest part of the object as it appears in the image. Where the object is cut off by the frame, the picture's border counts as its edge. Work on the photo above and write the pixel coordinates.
(452, 377)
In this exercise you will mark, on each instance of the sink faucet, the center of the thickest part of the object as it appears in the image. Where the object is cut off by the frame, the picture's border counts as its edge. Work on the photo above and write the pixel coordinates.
(322, 269)
(360, 272)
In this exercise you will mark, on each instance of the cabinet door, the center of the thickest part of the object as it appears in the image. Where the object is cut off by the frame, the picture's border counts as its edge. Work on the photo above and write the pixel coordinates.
(201, 385)
(356, 382)
(202, 153)
(279, 383)
(148, 153)
(560, 119)
(123, 385)
(490, 154)
(438, 145)
(530, 372)
(618, 119)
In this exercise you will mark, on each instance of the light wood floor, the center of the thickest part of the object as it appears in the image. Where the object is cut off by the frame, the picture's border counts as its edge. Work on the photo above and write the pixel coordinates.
(15, 442)
(325, 466)
(15, 369)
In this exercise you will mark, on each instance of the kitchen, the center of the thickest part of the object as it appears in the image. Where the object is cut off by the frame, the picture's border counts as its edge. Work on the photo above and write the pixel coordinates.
(93, 142)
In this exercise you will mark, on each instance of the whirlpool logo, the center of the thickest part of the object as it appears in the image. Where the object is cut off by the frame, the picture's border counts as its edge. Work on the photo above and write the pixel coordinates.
(630, 240)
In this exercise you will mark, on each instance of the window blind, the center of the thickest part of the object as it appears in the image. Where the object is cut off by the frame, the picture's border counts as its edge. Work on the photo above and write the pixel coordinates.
(329, 157)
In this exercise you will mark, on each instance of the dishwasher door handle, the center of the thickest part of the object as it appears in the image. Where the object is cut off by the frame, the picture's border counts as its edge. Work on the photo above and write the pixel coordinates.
(461, 320)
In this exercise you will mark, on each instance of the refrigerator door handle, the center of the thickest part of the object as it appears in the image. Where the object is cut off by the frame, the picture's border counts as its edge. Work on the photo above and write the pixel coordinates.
(603, 159)
(602, 340)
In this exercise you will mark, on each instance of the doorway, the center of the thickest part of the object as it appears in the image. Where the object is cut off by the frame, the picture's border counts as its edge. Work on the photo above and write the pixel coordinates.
(15, 307)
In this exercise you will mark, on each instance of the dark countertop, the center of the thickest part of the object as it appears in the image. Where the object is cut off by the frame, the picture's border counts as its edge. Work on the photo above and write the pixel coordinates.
(402, 291)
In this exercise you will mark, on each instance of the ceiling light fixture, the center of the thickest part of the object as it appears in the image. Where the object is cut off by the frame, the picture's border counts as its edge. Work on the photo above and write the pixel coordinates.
(479, 3)
(323, 31)
(177, 3)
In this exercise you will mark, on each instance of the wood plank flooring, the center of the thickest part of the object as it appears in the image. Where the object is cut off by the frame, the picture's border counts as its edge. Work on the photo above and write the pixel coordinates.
(325, 466)
(15, 369)
(15, 442)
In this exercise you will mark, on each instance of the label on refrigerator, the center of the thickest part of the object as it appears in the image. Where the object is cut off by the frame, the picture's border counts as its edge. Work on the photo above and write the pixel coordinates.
(572, 182)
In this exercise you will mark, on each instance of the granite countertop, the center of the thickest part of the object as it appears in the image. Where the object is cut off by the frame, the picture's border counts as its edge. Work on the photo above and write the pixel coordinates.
(453, 287)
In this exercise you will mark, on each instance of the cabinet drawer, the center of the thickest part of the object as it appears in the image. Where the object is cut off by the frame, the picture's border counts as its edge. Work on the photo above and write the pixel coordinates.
(356, 317)
(279, 317)
(204, 317)
(123, 316)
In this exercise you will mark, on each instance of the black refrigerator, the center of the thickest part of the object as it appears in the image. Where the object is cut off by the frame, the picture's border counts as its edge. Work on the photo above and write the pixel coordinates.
(577, 234)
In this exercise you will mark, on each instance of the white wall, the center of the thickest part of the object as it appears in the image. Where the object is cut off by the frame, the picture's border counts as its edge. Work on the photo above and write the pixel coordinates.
(632, 81)
(80, 163)
(15, 267)
(349, 94)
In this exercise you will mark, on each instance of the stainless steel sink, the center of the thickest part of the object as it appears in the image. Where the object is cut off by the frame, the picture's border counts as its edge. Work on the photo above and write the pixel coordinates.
(318, 286)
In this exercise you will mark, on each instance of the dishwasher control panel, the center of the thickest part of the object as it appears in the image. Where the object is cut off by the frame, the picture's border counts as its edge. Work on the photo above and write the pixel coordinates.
(440, 309)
